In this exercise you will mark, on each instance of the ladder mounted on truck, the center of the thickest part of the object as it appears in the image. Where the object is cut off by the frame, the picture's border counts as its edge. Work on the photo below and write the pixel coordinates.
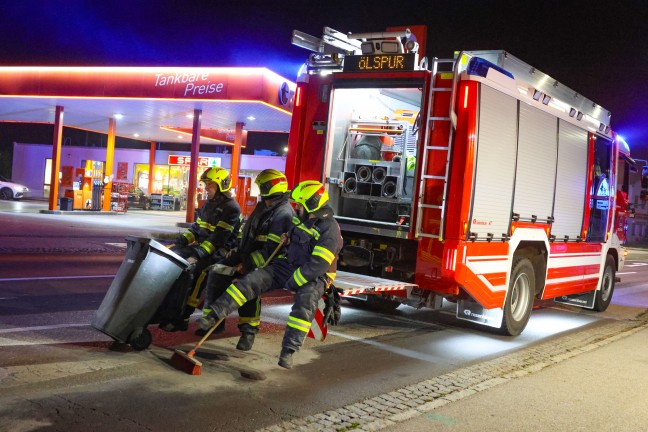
(443, 150)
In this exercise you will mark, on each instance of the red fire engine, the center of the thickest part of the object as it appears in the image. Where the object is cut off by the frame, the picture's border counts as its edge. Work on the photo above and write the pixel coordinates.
(477, 180)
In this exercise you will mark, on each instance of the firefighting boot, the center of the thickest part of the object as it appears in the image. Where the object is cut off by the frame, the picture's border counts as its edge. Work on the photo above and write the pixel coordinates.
(245, 342)
(174, 326)
(285, 358)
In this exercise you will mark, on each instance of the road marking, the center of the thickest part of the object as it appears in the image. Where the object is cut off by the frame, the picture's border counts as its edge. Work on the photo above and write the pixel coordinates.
(119, 245)
(54, 277)
(626, 273)
(400, 351)
(36, 328)
(637, 264)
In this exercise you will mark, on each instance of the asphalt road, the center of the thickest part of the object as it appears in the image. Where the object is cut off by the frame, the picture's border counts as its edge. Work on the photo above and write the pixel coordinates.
(59, 373)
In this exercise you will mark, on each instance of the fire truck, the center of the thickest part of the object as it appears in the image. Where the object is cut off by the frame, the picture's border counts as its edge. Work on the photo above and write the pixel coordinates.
(477, 180)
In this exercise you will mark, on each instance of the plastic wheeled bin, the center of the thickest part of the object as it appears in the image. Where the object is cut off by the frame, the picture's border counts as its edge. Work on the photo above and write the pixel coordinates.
(66, 203)
(143, 280)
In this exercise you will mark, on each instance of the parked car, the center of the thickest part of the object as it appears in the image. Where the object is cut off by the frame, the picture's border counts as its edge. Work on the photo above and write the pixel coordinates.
(10, 190)
(137, 198)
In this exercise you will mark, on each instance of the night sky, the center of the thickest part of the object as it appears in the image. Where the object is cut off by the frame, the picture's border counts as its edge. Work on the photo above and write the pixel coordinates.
(599, 49)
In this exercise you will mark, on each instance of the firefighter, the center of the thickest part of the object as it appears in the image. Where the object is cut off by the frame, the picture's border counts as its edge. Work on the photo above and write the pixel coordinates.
(261, 236)
(208, 238)
(314, 242)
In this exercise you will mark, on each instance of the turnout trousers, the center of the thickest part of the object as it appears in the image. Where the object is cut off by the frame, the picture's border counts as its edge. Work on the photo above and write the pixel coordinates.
(272, 277)
(249, 313)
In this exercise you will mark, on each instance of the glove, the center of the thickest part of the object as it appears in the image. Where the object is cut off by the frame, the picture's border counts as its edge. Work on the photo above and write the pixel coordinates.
(181, 241)
(333, 309)
(200, 253)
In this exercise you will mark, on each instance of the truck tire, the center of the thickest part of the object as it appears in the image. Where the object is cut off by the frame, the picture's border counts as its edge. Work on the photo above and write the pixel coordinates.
(604, 295)
(519, 298)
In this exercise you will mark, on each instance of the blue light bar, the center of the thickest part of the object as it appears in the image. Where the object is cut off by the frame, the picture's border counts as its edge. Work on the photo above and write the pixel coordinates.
(478, 66)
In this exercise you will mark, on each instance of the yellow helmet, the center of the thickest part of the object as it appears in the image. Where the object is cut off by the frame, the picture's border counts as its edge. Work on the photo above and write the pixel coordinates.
(220, 176)
(311, 194)
(271, 182)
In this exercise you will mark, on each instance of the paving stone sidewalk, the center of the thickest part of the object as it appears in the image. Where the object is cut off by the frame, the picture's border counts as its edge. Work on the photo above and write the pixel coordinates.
(415, 400)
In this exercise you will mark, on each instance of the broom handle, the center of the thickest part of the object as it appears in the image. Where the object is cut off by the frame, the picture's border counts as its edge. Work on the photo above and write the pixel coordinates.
(274, 252)
(211, 330)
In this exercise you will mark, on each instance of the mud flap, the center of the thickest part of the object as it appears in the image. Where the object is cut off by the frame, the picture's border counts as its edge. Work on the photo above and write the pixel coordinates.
(584, 300)
(319, 329)
(469, 310)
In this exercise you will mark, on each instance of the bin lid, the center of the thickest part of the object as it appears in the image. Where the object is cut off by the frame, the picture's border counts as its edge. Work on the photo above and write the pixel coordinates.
(159, 247)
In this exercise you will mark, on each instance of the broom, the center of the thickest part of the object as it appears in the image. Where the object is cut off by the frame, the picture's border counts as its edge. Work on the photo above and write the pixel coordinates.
(186, 361)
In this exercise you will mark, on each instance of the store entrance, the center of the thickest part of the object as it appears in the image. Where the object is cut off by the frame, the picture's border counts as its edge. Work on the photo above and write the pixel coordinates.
(170, 183)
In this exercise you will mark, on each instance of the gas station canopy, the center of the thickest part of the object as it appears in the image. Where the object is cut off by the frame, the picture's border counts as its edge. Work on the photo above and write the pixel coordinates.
(156, 104)
(148, 103)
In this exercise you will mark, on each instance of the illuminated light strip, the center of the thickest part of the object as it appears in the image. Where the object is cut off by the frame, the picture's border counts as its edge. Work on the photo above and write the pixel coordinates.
(241, 71)
(465, 105)
(298, 96)
(152, 99)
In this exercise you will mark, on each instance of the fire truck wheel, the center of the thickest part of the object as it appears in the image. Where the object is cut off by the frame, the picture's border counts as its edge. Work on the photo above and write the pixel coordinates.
(604, 295)
(519, 299)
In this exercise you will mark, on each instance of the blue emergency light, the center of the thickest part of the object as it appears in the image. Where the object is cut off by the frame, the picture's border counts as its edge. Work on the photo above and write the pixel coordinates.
(478, 66)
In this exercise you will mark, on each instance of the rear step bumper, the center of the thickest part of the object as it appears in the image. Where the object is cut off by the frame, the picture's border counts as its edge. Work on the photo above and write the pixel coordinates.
(354, 284)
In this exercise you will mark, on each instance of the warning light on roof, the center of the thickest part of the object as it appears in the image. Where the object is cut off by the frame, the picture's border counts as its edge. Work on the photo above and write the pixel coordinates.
(478, 66)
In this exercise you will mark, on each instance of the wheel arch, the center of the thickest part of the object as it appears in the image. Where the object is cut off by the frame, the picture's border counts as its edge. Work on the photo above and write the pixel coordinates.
(537, 253)
(614, 253)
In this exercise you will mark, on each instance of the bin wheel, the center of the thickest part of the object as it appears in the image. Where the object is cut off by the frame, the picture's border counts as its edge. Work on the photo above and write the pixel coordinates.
(140, 340)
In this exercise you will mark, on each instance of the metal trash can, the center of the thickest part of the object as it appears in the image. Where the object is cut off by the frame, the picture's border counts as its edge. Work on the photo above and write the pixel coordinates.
(66, 204)
(142, 282)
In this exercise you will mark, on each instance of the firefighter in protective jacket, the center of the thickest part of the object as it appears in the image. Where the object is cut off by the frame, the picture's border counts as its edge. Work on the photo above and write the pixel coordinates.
(261, 236)
(314, 242)
(208, 238)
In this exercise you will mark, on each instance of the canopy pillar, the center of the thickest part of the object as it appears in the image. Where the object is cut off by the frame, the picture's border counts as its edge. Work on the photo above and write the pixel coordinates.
(193, 167)
(151, 178)
(56, 157)
(110, 158)
(236, 153)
